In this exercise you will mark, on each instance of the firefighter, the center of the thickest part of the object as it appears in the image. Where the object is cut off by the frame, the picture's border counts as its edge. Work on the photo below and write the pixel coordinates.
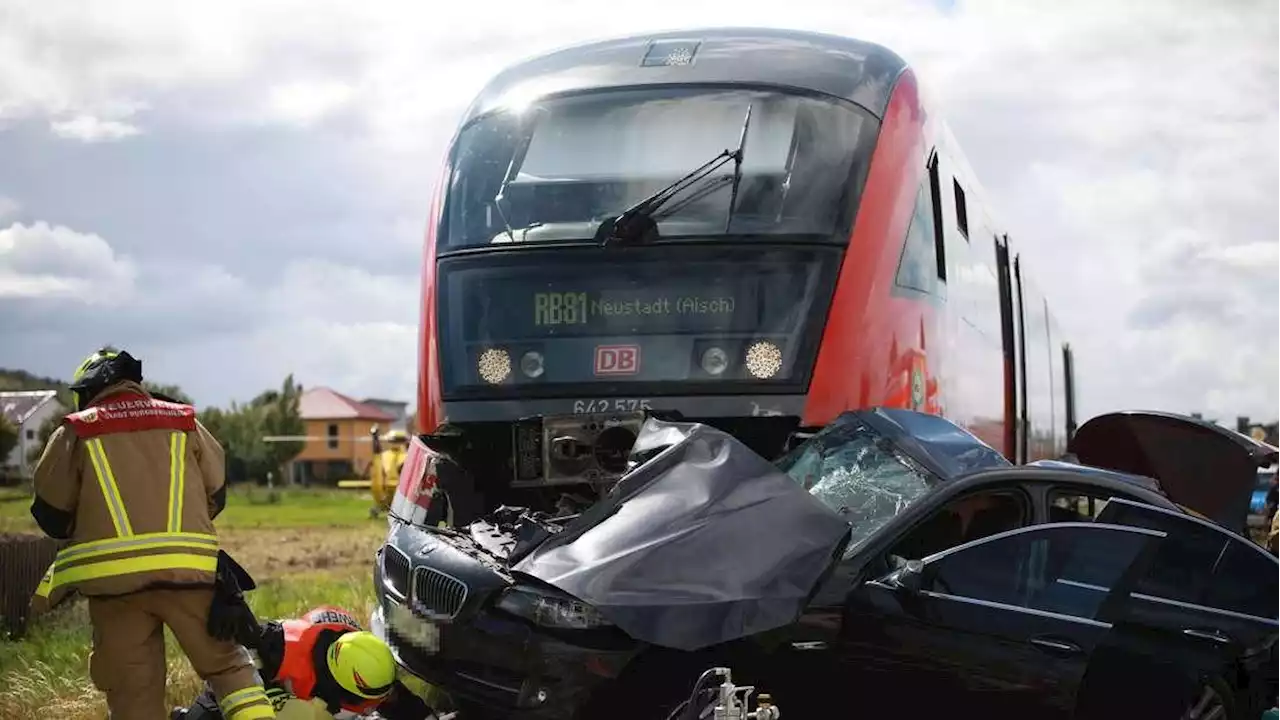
(1273, 535)
(134, 483)
(325, 662)
(384, 471)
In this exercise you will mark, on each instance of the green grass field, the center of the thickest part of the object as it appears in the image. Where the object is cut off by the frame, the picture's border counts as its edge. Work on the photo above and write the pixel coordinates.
(304, 548)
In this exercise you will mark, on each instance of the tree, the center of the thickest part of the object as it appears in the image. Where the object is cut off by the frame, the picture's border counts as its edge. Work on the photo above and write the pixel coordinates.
(238, 431)
(241, 430)
(8, 438)
(169, 391)
(282, 416)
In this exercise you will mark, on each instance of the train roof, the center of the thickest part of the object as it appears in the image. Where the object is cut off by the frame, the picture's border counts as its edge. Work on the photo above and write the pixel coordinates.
(859, 72)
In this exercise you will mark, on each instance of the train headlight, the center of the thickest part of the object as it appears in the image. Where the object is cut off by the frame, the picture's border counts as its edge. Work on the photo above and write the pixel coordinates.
(714, 361)
(531, 364)
(764, 359)
(494, 366)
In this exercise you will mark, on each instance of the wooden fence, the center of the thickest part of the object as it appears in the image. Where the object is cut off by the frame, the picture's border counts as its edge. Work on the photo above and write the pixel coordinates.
(23, 561)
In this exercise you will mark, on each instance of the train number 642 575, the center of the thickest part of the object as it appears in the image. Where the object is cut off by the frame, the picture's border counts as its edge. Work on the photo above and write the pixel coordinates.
(610, 405)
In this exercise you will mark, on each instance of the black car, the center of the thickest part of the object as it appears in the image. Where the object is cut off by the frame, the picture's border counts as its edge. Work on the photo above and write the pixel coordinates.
(892, 563)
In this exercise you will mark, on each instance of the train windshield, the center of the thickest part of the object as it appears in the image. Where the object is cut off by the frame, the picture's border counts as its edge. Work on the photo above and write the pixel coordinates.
(554, 170)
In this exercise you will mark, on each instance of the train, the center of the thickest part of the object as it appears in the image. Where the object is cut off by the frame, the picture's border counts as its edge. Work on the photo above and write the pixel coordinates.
(757, 229)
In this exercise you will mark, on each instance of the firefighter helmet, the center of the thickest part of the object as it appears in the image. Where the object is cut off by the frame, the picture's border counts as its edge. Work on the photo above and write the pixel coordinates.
(362, 664)
(105, 367)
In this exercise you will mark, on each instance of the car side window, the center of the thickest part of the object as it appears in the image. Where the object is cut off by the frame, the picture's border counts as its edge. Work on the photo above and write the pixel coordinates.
(1065, 569)
(1073, 506)
(1245, 581)
(1184, 562)
(964, 519)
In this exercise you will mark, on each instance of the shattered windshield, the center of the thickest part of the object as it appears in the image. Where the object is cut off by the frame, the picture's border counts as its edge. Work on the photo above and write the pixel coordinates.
(857, 473)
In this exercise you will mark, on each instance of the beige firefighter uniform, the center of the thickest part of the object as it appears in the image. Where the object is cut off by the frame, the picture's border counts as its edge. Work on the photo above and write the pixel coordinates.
(138, 481)
(1273, 535)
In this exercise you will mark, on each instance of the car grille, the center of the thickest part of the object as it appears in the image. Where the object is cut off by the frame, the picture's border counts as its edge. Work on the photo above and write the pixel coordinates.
(437, 592)
(395, 570)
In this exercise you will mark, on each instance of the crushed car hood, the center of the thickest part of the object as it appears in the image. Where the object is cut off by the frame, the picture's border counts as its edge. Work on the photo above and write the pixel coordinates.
(1203, 467)
(703, 543)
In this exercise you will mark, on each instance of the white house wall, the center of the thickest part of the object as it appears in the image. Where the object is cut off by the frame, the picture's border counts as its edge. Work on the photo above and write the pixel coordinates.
(29, 437)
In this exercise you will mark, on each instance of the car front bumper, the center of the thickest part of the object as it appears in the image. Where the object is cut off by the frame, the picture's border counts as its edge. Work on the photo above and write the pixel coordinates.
(496, 662)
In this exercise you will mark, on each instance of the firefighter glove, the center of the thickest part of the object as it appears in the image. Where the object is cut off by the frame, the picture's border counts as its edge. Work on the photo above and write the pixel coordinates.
(230, 617)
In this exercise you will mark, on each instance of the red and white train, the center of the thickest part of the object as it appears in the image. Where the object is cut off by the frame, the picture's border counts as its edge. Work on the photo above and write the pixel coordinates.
(757, 229)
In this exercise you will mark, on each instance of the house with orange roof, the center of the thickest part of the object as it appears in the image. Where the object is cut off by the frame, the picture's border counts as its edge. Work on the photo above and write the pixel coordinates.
(338, 445)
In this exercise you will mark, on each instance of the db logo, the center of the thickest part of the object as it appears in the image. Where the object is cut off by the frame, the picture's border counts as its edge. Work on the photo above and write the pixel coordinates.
(617, 359)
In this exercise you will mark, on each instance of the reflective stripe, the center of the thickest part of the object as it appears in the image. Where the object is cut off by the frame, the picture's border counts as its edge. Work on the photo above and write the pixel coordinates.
(176, 545)
(177, 478)
(46, 583)
(142, 541)
(107, 481)
(257, 711)
(239, 704)
(127, 566)
(63, 572)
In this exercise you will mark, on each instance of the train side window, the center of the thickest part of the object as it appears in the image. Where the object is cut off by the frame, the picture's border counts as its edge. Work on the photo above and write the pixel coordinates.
(917, 267)
(935, 198)
(962, 209)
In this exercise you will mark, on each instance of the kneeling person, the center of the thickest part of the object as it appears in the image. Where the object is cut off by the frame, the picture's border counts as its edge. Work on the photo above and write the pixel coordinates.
(324, 662)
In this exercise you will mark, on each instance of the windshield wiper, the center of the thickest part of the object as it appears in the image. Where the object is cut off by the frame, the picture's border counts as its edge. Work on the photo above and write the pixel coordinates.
(517, 159)
(636, 224)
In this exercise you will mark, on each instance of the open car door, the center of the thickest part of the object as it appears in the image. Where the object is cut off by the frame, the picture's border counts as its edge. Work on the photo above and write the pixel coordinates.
(1203, 467)
(1006, 625)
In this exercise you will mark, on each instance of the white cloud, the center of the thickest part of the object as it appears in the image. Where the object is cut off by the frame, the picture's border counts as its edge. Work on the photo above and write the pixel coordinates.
(352, 329)
(40, 261)
(363, 359)
(304, 103)
(88, 128)
(328, 325)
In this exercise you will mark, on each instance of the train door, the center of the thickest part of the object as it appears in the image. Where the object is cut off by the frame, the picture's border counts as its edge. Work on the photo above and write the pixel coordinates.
(1024, 410)
(1015, 370)
(1069, 388)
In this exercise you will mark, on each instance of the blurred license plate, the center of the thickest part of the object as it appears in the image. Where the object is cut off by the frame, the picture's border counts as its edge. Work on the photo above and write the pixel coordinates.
(424, 634)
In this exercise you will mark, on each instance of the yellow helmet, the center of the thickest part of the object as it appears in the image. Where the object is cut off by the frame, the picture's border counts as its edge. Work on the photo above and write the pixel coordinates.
(102, 368)
(362, 664)
(397, 437)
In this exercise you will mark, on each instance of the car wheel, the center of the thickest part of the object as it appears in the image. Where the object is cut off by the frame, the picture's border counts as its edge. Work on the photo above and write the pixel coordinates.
(1213, 701)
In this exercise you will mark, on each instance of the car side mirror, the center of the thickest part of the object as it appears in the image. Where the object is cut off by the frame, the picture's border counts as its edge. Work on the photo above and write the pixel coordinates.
(910, 576)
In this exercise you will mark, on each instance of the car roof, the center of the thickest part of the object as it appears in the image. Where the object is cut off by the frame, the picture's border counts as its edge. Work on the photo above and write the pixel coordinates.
(1064, 473)
(942, 447)
(1121, 477)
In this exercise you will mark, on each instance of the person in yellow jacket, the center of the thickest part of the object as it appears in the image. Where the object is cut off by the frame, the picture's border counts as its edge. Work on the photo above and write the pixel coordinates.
(133, 483)
(384, 472)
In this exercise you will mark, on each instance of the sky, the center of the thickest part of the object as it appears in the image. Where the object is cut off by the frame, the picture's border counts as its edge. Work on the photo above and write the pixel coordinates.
(237, 190)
